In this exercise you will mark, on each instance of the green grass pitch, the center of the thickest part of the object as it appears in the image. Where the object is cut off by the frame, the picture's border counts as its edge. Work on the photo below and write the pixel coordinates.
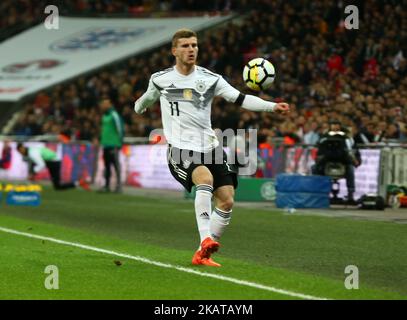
(304, 255)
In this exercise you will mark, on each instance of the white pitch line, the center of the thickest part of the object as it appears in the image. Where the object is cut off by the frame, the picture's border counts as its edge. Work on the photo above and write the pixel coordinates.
(166, 265)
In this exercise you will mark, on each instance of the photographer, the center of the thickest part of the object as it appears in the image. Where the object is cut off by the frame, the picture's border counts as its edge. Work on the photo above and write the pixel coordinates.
(337, 146)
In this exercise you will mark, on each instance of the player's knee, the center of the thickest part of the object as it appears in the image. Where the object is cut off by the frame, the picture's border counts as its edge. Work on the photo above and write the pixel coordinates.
(226, 204)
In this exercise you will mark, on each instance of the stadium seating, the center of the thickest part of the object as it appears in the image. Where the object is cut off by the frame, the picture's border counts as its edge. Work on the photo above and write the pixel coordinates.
(323, 70)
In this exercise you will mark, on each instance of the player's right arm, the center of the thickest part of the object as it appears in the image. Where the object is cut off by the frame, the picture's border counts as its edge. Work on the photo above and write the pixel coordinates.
(148, 98)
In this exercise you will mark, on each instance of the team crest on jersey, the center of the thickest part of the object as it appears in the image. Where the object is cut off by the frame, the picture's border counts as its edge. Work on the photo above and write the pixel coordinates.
(200, 86)
(186, 164)
(188, 94)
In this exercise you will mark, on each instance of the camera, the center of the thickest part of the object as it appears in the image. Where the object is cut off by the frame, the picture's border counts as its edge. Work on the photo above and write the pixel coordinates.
(336, 159)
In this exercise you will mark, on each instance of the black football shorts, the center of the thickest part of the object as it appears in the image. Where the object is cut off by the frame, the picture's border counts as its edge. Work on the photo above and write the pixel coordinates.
(181, 167)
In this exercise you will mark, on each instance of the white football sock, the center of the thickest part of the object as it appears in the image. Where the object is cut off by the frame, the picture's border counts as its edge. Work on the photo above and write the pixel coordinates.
(219, 220)
(203, 208)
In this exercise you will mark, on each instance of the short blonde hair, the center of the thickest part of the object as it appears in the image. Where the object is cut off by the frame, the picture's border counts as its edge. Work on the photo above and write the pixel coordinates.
(182, 33)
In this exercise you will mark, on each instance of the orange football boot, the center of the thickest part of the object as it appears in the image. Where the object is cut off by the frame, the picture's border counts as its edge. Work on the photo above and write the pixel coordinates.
(203, 256)
(209, 246)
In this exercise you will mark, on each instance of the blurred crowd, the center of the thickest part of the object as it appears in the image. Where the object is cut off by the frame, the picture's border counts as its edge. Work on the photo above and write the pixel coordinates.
(18, 15)
(17, 12)
(323, 70)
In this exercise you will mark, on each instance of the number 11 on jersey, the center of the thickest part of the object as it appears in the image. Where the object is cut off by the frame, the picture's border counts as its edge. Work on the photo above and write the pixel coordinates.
(174, 107)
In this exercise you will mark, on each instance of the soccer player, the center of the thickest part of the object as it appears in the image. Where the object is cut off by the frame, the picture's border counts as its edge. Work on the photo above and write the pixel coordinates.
(111, 139)
(186, 92)
(40, 157)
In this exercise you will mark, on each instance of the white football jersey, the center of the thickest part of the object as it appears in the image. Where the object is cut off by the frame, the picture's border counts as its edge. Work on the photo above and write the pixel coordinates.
(186, 103)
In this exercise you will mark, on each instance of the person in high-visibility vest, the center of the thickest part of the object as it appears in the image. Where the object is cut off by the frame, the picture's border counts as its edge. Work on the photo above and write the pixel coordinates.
(40, 157)
(111, 139)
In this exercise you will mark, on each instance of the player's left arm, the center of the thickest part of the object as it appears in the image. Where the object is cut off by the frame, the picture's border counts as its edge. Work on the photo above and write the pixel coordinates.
(248, 101)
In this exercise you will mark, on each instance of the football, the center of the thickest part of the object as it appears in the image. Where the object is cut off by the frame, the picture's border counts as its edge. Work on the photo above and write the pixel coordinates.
(259, 74)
